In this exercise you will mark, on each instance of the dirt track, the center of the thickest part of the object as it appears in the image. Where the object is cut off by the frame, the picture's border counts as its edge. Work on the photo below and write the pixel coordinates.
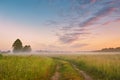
(86, 76)
(56, 76)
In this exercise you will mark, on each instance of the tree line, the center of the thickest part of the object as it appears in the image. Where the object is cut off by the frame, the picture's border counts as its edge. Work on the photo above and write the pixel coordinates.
(18, 47)
(117, 49)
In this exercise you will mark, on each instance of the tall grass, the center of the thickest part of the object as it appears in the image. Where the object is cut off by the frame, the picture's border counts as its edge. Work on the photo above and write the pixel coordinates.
(26, 68)
(101, 67)
(1, 55)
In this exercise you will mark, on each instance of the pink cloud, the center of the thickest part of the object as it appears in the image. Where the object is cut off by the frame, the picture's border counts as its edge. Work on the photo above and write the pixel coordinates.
(117, 20)
(78, 45)
(108, 22)
(93, 1)
(99, 15)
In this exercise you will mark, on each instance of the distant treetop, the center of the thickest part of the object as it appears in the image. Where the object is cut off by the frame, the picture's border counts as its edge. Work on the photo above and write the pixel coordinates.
(17, 46)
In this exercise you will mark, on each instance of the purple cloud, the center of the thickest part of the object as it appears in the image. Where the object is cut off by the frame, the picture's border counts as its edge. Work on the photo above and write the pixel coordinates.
(78, 45)
(84, 13)
(93, 1)
(80, 29)
(108, 22)
(86, 1)
(71, 37)
(99, 15)
(68, 39)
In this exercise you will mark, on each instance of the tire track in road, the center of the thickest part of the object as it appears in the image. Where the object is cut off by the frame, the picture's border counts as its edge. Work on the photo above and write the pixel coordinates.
(56, 75)
(86, 76)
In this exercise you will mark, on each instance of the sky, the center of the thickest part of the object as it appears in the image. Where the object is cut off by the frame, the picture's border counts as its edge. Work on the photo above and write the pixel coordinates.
(60, 25)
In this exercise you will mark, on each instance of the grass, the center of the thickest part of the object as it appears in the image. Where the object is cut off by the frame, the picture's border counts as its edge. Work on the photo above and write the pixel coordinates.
(1, 56)
(26, 68)
(35, 68)
(68, 72)
(100, 67)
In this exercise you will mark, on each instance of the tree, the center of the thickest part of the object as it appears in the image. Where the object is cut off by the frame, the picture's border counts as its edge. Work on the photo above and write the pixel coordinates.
(17, 46)
(27, 48)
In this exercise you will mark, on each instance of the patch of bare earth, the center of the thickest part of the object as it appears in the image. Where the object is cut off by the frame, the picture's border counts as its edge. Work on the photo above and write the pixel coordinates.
(56, 75)
(86, 76)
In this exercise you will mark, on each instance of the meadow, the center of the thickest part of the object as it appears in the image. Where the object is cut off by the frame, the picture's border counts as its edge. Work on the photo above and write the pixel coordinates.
(26, 68)
(60, 67)
(99, 67)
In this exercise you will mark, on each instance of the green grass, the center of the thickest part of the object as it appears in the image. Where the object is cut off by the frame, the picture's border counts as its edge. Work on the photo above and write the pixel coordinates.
(26, 68)
(1, 56)
(68, 72)
(35, 68)
(100, 67)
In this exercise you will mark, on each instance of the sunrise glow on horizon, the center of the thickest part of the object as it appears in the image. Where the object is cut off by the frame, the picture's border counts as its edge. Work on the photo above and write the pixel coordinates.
(63, 25)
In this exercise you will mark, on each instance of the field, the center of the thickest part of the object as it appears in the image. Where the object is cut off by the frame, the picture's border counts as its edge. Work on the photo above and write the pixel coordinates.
(60, 67)
(99, 67)
(26, 68)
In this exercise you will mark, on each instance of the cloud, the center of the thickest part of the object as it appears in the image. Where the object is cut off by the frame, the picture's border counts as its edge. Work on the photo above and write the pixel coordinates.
(51, 47)
(78, 45)
(105, 11)
(108, 22)
(86, 1)
(97, 16)
(81, 15)
(51, 22)
(68, 39)
(71, 37)
(93, 1)
(117, 20)
(109, 3)
(80, 29)
(65, 28)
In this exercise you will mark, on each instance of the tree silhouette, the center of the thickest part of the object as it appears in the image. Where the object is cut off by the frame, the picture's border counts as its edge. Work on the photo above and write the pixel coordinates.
(17, 46)
(27, 48)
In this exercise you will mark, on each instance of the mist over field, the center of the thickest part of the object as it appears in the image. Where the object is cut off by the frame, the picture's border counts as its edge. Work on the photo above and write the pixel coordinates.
(64, 53)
